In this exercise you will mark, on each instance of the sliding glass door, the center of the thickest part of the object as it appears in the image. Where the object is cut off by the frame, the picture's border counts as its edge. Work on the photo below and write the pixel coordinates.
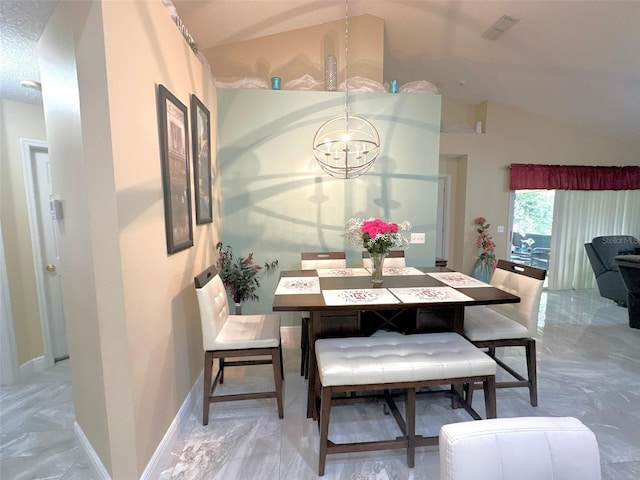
(531, 227)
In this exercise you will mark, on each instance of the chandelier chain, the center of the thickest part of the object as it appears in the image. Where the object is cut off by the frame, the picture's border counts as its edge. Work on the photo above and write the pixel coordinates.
(345, 146)
(346, 58)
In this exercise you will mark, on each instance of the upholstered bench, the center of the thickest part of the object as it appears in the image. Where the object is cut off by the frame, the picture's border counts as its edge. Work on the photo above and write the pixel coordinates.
(398, 362)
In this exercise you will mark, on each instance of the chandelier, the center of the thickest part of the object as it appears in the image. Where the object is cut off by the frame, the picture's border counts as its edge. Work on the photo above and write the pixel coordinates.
(346, 146)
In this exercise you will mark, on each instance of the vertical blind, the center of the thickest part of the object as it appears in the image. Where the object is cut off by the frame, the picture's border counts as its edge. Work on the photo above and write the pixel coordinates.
(578, 217)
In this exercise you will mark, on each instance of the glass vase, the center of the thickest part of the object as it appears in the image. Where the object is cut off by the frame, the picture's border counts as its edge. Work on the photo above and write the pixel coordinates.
(378, 264)
(330, 73)
(482, 271)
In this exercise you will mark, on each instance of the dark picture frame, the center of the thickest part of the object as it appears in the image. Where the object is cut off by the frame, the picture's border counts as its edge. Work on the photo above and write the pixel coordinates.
(174, 156)
(201, 148)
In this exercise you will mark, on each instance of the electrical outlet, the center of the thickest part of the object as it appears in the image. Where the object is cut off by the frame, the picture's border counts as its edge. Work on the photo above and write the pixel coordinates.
(417, 238)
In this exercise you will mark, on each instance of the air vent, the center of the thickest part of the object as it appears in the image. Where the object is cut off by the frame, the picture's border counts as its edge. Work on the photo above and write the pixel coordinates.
(502, 25)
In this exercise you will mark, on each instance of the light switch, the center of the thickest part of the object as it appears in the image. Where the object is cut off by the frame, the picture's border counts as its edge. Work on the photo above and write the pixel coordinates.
(417, 238)
(500, 228)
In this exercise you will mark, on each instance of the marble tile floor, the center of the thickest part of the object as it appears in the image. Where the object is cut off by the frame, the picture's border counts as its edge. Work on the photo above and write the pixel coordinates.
(37, 440)
(588, 367)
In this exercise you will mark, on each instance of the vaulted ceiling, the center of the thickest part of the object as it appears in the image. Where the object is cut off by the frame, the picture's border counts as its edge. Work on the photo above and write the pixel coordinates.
(576, 61)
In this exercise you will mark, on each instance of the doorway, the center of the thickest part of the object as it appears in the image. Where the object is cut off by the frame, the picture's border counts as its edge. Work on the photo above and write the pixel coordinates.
(43, 212)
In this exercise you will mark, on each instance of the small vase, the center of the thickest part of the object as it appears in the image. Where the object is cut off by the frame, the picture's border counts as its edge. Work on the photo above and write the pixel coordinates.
(330, 73)
(378, 264)
(238, 308)
(482, 271)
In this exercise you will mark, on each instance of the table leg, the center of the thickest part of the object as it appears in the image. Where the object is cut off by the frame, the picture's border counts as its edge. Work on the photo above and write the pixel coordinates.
(314, 326)
(458, 319)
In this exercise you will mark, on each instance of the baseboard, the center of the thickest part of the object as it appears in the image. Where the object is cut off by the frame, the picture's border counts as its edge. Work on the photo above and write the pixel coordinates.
(158, 461)
(192, 403)
(29, 368)
(95, 464)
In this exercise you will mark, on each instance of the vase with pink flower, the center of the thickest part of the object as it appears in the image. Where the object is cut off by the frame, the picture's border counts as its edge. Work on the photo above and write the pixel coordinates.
(377, 237)
(486, 263)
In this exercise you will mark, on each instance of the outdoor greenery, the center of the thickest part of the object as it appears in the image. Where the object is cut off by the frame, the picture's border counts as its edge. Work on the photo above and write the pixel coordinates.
(533, 211)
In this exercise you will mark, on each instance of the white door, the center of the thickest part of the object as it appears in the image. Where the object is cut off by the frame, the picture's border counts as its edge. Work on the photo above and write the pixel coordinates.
(442, 225)
(43, 215)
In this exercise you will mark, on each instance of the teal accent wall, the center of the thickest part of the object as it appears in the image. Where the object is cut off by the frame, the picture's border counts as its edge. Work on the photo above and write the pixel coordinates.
(277, 202)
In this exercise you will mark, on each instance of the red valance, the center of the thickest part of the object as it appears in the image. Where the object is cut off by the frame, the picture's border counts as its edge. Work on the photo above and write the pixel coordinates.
(573, 177)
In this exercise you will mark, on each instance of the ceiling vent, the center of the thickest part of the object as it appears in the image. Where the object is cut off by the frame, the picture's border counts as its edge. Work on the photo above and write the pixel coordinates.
(502, 25)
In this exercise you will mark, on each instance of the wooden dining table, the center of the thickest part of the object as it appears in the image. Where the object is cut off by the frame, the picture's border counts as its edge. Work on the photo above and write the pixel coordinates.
(343, 302)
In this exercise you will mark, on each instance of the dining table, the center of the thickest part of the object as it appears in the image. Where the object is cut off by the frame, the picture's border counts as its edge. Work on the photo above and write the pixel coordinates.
(343, 302)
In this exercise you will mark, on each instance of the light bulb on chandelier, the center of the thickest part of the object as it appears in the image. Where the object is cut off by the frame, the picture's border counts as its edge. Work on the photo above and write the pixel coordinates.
(346, 146)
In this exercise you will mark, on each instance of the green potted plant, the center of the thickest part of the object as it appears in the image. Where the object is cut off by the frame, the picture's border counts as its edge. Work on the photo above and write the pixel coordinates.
(240, 275)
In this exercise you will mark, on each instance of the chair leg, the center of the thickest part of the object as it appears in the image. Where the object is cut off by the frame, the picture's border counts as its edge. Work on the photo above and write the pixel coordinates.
(468, 392)
(221, 366)
(208, 367)
(489, 386)
(302, 346)
(281, 361)
(277, 377)
(532, 372)
(325, 409)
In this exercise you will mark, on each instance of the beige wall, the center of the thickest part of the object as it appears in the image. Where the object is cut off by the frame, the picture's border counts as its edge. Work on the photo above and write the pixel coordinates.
(293, 54)
(512, 136)
(19, 120)
(132, 320)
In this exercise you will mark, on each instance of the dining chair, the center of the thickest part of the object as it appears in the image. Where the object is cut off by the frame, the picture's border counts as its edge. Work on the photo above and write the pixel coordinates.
(235, 336)
(395, 259)
(512, 324)
(313, 261)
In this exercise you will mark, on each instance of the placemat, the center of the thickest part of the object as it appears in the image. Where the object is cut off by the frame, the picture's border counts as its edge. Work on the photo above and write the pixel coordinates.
(343, 272)
(429, 294)
(399, 271)
(458, 280)
(296, 285)
(358, 296)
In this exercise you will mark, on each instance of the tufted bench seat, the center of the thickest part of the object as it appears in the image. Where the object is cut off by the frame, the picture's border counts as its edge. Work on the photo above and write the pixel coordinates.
(398, 362)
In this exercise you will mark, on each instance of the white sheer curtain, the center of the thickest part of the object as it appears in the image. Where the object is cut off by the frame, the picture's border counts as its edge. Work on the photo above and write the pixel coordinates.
(578, 217)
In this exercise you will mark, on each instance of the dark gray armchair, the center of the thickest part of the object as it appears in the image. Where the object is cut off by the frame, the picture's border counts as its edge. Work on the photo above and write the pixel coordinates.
(602, 252)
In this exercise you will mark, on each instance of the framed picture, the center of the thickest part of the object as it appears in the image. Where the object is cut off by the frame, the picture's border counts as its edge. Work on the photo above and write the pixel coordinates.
(172, 133)
(201, 148)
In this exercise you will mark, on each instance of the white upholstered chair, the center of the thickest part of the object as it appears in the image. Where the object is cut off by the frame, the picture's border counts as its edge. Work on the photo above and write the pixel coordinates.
(510, 324)
(395, 259)
(313, 261)
(235, 336)
(523, 448)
